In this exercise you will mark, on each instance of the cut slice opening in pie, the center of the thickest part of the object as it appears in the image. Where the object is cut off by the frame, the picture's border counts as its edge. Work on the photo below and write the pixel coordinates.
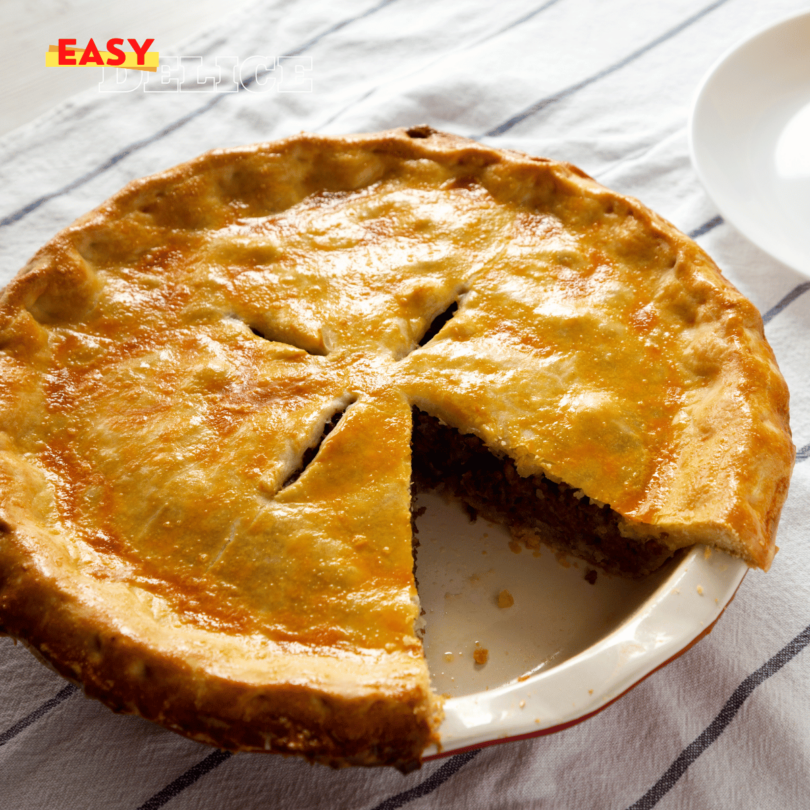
(219, 387)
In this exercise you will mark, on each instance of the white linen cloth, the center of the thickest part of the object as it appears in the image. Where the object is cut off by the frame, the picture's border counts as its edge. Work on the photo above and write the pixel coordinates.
(604, 84)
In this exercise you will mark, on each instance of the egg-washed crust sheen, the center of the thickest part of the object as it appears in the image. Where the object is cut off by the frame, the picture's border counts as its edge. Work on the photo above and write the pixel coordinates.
(168, 359)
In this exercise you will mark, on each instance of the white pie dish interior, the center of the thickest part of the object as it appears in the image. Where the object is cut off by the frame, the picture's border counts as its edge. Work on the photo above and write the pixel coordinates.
(750, 139)
(566, 648)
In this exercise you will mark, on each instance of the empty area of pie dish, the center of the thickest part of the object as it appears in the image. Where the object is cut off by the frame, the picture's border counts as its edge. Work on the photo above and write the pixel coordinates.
(171, 360)
(565, 648)
(528, 609)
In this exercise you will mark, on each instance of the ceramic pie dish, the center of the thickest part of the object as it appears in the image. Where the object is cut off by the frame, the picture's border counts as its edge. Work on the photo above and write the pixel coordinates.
(595, 640)
(223, 385)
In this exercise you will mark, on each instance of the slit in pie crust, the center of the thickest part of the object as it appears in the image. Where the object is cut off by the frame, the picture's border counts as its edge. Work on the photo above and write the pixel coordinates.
(209, 387)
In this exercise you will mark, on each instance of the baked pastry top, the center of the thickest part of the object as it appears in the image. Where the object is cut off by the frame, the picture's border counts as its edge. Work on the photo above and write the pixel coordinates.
(168, 361)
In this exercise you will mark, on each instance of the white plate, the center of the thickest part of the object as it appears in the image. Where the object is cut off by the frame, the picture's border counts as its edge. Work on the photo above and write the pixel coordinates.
(566, 648)
(750, 139)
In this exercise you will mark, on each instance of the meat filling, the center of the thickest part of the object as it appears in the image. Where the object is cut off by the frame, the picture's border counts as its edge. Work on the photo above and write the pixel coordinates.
(534, 509)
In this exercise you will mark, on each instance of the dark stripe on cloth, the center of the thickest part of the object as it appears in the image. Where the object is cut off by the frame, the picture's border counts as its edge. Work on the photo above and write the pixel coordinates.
(568, 91)
(706, 227)
(39, 712)
(108, 164)
(186, 780)
(434, 781)
(337, 26)
(803, 454)
(516, 23)
(162, 133)
(797, 291)
(721, 722)
(508, 27)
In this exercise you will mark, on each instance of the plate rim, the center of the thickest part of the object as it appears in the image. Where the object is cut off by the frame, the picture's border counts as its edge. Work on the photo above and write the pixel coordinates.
(693, 125)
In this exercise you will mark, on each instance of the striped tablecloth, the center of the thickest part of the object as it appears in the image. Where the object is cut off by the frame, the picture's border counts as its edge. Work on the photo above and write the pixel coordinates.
(606, 85)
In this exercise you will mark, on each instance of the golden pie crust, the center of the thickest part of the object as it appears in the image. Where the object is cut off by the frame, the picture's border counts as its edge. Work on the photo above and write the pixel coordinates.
(168, 359)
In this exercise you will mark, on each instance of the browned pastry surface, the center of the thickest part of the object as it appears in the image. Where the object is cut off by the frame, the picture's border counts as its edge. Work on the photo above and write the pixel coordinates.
(168, 360)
